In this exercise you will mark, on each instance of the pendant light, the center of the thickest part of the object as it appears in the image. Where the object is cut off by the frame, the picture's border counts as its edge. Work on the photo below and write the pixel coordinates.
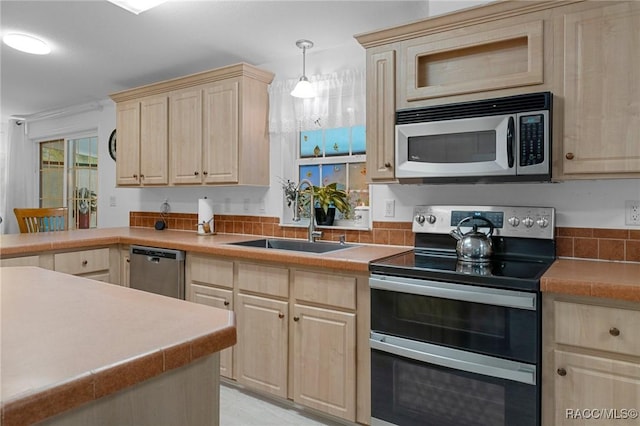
(303, 89)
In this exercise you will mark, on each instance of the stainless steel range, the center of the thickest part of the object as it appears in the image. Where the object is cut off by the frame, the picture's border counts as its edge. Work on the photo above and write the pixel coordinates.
(456, 324)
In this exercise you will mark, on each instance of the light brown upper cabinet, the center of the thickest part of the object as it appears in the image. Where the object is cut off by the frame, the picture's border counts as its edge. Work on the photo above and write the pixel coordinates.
(215, 129)
(601, 82)
(142, 135)
(584, 52)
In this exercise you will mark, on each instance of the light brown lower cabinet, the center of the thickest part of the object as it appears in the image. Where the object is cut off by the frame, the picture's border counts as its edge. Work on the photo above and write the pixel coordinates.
(591, 361)
(324, 360)
(263, 344)
(302, 333)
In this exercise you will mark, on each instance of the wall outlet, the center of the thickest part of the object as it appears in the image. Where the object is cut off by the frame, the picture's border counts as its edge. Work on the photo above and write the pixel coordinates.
(389, 208)
(632, 212)
(112, 201)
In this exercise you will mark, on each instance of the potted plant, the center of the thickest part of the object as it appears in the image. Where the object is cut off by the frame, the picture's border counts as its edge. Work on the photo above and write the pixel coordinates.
(327, 200)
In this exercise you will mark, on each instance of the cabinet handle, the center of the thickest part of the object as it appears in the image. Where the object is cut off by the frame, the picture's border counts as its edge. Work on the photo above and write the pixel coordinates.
(569, 156)
(226, 303)
(614, 331)
(561, 372)
(387, 165)
(205, 173)
(280, 315)
(128, 260)
(135, 176)
(141, 176)
(196, 173)
(85, 262)
(296, 319)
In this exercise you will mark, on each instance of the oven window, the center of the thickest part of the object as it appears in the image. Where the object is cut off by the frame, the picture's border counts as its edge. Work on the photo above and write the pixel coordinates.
(408, 392)
(487, 329)
(468, 147)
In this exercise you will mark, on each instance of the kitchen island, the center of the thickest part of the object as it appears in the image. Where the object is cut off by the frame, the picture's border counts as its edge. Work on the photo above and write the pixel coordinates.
(77, 351)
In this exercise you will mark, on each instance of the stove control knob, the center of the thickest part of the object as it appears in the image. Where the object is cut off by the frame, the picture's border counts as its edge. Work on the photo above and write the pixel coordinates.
(528, 222)
(514, 221)
(420, 219)
(542, 222)
(431, 219)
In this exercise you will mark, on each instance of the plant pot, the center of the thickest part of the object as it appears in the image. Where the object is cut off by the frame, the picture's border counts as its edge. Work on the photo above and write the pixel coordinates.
(325, 219)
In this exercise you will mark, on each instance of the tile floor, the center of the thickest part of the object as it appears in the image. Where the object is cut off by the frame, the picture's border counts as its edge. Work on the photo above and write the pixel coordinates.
(242, 408)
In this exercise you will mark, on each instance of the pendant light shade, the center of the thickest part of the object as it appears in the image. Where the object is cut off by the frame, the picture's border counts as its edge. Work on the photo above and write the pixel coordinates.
(303, 89)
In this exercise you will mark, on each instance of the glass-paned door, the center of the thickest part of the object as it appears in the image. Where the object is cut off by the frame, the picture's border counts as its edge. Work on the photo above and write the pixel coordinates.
(83, 182)
(52, 173)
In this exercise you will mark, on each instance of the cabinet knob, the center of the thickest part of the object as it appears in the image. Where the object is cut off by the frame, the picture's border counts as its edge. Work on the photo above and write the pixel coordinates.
(141, 176)
(614, 331)
(569, 156)
(226, 303)
(85, 262)
(296, 319)
(280, 315)
(561, 372)
(135, 176)
(387, 165)
(128, 260)
(205, 173)
(196, 173)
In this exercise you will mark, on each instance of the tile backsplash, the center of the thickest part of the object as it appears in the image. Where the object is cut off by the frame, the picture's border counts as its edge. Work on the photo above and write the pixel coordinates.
(583, 243)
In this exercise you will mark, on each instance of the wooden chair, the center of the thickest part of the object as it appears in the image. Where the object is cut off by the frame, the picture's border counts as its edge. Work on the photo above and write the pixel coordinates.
(42, 220)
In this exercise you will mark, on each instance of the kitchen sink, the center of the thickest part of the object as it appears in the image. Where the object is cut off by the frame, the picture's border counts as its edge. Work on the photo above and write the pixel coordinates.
(294, 245)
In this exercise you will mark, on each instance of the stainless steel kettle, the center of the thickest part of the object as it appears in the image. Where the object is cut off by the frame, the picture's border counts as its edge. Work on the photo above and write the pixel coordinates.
(473, 246)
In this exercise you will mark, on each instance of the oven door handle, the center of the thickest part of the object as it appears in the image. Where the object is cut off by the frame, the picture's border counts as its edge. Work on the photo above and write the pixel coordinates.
(465, 293)
(454, 358)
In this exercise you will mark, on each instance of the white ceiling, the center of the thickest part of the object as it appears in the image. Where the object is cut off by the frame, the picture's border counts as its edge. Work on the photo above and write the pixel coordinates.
(99, 48)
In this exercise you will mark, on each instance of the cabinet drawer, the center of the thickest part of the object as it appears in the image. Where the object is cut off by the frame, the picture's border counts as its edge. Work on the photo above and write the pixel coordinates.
(209, 271)
(263, 279)
(82, 262)
(597, 327)
(21, 261)
(334, 290)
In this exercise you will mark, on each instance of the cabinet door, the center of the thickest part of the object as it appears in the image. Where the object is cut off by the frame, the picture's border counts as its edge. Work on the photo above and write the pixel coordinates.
(218, 298)
(381, 109)
(220, 133)
(125, 267)
(261, 352)
(128, 143)
(154, 148)
(324, 360)
(601, 90)
(502, 57)
(185, 141)
(589, 382)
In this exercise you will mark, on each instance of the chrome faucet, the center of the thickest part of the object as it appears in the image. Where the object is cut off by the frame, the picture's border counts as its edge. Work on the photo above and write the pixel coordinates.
(312, 234)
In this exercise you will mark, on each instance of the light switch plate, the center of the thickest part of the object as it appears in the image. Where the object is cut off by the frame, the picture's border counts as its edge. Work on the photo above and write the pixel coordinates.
(389, 208)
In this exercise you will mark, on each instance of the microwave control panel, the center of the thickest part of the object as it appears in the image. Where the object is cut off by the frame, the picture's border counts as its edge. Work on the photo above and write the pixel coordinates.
(532, 136)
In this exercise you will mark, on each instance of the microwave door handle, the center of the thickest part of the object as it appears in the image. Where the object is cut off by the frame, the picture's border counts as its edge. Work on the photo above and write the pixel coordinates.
(510, 140)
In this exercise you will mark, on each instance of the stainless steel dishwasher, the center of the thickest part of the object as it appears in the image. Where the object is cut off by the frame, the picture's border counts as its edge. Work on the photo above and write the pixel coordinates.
(157, 270)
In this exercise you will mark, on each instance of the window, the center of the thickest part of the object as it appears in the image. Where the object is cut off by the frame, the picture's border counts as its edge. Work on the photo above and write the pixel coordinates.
(69, 177)
(336, 155)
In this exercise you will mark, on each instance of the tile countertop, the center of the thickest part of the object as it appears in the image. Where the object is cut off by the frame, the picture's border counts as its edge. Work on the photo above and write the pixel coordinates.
(611, 280)
(68, 340)
(353, 259)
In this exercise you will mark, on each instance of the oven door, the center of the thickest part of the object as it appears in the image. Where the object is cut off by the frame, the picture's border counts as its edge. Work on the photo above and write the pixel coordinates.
(488, 321)
(479, 146)
(415, 383)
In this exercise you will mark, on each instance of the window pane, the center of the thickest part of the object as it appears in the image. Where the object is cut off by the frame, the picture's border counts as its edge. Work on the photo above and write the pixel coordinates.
(311, 173)
(358, 140)
(358, 187)
(335, 173)
(52, 173)
(337, 141)
(311, 144)
(83, 182)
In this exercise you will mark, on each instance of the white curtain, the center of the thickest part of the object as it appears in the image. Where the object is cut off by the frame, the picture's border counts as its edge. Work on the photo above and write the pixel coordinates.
(339, 102)
(18, 174)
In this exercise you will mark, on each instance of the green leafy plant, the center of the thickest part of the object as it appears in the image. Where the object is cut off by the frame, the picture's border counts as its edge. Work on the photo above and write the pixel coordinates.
(330, 195)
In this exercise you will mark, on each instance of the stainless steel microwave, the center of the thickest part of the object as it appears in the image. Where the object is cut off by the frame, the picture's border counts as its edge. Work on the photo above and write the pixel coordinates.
(493, 140)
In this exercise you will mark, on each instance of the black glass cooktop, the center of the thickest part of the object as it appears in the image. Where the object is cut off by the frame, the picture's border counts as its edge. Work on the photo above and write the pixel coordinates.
(510, 273)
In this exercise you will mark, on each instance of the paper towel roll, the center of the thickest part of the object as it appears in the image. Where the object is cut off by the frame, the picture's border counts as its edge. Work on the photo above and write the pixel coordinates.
(205, 216)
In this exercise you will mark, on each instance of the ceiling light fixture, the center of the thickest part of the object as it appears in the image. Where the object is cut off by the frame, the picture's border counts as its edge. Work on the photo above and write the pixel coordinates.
(137, 6)
(303, 88)
(26, 43)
